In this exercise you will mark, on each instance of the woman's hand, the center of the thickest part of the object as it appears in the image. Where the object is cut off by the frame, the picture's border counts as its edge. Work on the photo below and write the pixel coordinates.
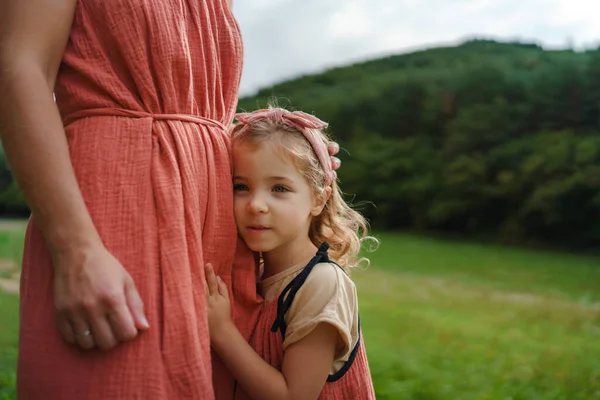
(333, 149)
(96, 301)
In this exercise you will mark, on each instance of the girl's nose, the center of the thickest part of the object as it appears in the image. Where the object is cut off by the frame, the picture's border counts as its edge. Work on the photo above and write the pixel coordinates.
(258, 204)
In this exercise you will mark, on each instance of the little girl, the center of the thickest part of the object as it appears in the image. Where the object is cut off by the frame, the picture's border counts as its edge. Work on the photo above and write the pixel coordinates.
(289, 209)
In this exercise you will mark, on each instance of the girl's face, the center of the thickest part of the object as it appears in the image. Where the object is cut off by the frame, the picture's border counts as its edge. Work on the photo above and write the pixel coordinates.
(273, 203)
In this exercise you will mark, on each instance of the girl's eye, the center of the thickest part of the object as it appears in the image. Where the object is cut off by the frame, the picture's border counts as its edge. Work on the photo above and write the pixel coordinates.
(238, 187)
(280, 189)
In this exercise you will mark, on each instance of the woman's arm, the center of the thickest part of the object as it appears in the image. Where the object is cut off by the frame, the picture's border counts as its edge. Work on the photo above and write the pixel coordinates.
(33, 36)
(89, 281)
(306, 363)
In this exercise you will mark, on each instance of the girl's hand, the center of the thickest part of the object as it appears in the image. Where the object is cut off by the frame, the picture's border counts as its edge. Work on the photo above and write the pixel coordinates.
(218, 304)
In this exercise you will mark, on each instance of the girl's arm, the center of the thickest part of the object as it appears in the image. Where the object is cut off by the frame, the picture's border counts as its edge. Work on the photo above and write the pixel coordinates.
(306, 363)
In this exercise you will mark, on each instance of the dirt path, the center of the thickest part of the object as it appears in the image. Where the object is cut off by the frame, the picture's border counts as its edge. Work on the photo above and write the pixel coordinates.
(9, 271)
(9, 276)
(12, 224)
(9, 286)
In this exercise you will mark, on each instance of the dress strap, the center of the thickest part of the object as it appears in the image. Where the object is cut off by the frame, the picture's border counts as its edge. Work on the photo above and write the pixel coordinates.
(285, 302)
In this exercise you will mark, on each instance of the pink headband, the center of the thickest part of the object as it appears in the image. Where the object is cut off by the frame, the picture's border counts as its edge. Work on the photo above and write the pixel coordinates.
(304, 123)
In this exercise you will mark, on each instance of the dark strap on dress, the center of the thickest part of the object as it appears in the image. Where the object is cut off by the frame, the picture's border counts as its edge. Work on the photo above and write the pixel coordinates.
(285, 302)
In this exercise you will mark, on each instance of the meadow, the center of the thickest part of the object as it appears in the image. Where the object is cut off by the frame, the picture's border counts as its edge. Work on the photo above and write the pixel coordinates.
(449, 320)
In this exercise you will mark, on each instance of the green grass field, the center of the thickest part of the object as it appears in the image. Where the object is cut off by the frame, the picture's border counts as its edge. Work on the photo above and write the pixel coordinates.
(449, 320)
(9, 319)
(456, 321)
(11, 245)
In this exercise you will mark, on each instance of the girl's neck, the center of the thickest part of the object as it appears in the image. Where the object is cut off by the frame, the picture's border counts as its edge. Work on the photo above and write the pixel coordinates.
(279, 260)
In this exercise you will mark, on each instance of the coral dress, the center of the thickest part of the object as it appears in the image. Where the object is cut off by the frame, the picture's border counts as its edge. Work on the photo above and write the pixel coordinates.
(352, 382)
(145, 91)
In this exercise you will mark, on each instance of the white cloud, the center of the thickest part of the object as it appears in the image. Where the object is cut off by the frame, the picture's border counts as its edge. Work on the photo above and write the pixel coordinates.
(287, 38)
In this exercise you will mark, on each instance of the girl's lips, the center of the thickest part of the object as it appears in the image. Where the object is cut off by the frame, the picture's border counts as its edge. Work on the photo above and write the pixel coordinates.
(257, 229)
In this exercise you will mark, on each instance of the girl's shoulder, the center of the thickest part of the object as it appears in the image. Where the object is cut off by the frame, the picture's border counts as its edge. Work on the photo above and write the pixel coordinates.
(328, 276)
(328, 295)
(327, 286)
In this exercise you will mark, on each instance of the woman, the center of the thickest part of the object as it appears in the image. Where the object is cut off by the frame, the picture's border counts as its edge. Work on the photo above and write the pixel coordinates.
(128, 177)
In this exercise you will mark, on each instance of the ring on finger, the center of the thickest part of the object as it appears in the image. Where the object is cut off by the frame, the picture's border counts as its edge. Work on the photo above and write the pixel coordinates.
(83, 334)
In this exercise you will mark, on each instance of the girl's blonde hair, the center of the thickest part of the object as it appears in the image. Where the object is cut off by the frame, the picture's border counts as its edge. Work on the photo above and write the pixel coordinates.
(343, 228)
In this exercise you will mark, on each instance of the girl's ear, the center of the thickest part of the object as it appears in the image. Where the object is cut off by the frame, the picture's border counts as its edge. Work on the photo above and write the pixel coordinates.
(320, 201)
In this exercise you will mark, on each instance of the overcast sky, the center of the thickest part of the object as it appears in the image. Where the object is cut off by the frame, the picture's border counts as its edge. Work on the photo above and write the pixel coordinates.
(287, 38)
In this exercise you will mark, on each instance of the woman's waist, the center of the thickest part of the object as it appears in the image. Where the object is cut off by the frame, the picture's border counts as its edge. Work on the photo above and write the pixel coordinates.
(70, 117)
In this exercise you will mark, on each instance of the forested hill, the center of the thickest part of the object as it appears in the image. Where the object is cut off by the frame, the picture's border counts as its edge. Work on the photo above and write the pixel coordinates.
(485, 138)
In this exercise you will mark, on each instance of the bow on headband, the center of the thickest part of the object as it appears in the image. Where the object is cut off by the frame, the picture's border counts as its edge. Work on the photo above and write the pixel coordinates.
(303, 122)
